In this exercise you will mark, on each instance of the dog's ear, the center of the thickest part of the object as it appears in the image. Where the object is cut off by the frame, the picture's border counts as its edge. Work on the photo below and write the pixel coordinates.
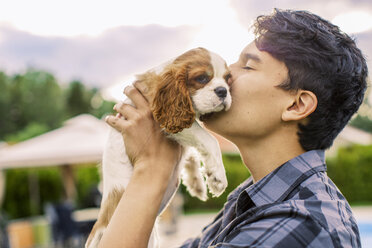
(172, 105)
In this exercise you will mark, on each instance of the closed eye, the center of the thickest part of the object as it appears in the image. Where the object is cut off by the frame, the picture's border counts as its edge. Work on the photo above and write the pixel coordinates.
(247, 68)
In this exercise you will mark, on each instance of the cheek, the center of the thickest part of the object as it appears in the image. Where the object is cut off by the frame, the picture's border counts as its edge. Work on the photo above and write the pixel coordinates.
(253, 107)
(254, 92)
(261, 105)
(255, 110)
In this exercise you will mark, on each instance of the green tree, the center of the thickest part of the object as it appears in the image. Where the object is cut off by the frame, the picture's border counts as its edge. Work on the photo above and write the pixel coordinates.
(80, 99)
(18, 202)
(351, 170)
(363, 119)
(77, 99)
(31, 130)
(35, 97)
(33, 102)
(5, 123)
(100, 107)
(362, 122)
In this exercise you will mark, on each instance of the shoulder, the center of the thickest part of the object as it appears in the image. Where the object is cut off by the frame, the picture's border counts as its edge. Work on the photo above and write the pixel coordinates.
(324, 203)
(314, 214)
(320, 198)
(288, 224)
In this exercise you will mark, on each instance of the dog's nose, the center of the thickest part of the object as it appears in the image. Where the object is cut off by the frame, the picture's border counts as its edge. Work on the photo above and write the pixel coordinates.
(221, 92)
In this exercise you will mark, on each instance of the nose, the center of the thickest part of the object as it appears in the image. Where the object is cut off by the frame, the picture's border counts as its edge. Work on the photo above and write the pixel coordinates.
(221, 92)
(232, 66)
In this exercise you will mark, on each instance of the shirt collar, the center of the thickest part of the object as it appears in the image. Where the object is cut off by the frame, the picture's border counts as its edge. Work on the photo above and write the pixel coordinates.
(278, 184)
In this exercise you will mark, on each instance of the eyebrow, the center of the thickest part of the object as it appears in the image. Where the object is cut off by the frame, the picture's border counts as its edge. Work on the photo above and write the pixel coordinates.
(251, 56)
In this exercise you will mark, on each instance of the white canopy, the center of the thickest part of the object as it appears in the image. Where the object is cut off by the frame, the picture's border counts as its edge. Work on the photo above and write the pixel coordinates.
(79, 140)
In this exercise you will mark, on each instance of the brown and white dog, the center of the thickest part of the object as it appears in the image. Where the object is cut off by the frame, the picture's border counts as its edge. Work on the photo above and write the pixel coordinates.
(193, 86)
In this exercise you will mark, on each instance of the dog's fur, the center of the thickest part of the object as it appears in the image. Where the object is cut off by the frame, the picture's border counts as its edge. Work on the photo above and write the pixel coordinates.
(180, 92)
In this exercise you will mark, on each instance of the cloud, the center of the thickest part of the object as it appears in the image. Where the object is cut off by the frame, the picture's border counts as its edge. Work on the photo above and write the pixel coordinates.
(363, 41)
(96, 60)
(71, 17)
(105, 59)
(249, 10)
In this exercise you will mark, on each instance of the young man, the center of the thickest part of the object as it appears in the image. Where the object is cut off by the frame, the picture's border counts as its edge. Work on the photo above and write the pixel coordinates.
(294, 89)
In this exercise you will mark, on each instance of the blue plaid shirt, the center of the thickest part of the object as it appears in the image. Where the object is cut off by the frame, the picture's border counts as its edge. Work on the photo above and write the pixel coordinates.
(296, 205)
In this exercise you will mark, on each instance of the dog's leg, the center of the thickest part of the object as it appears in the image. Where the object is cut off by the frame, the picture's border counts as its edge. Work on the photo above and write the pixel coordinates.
(191, 174)
(210, 152)
(104, 217)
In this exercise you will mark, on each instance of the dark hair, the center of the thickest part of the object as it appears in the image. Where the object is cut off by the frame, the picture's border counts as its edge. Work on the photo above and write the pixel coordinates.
(322, 59)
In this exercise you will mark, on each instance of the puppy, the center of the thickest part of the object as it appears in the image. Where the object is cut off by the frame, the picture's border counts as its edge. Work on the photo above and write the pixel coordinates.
(188, 88)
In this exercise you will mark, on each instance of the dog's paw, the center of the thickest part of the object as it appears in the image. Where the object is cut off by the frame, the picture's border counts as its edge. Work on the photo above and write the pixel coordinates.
(216, 184)
(197, 188)
(215, 177)
(192, 177)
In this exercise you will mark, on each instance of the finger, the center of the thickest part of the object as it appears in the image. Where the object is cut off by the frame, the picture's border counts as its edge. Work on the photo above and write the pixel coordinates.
(116, 122)
(137, 98)
(126, 110)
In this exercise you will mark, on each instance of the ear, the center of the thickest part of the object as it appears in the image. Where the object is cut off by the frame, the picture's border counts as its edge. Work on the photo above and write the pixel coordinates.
(301, 106)
(172, 105)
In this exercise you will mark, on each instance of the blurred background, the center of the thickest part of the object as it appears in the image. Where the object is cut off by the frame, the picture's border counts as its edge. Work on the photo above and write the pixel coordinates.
(63, 64)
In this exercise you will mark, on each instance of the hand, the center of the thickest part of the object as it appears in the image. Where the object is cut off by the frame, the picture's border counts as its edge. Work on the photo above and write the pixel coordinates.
(145, 143)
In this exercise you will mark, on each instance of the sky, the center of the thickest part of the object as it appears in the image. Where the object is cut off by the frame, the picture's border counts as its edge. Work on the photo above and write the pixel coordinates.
(105, 43)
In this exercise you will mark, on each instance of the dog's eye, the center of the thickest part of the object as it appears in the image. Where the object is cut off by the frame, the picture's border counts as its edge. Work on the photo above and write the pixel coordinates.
(203, 79)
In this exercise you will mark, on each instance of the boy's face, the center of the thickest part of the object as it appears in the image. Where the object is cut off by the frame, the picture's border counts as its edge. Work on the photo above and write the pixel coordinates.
(257, 104)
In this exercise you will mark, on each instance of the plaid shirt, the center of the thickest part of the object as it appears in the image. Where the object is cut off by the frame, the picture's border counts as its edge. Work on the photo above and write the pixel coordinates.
(296, 205)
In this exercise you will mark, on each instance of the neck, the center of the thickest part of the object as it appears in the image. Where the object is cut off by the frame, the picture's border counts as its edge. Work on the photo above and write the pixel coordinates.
(264, 155)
